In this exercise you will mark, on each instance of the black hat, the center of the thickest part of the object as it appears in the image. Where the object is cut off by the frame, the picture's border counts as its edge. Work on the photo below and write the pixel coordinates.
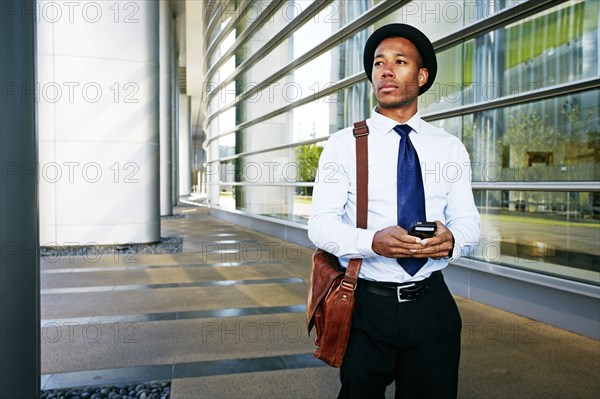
(415, 36)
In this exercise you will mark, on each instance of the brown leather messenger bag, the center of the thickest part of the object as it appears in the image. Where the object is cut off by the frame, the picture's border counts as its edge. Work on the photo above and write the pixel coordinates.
(331, 291)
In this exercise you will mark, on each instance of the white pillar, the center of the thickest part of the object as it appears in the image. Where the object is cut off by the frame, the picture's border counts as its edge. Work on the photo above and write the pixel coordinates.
(185, 146)
(98, 122)
(175, 128)
(166, 107)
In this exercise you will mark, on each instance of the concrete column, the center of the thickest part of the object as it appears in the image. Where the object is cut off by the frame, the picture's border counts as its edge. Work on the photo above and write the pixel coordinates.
(185, 146)
(166, 107)
(99, 122)
(19, 247)
(175, 135)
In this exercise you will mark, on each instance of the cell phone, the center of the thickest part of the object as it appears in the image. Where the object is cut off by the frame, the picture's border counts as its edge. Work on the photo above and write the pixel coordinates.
(423, 229)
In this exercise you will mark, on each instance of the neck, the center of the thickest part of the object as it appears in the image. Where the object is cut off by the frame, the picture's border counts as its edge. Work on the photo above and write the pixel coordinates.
(400, 115)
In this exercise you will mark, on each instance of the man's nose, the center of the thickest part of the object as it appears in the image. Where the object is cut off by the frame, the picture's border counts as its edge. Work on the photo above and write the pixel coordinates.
(387, 72)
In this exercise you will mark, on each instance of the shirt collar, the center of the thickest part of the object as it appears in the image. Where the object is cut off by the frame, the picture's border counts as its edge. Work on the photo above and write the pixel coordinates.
(385, 125)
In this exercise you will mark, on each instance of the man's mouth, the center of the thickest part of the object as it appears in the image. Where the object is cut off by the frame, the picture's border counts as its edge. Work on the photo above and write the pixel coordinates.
(387, 87)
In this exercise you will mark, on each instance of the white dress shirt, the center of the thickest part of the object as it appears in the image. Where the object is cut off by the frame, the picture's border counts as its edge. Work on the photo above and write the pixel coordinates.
(446, 172)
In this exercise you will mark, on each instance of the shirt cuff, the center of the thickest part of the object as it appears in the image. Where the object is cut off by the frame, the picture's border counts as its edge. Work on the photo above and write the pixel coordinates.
(454, 254)
(364, 243)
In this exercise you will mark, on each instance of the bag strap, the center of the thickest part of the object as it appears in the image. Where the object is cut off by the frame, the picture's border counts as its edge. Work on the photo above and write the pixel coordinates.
(361, 134)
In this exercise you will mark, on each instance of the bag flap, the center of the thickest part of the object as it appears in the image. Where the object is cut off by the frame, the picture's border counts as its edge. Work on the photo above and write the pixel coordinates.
(325, 270)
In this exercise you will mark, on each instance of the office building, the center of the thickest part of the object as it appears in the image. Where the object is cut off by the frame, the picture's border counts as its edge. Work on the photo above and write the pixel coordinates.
(518, 84)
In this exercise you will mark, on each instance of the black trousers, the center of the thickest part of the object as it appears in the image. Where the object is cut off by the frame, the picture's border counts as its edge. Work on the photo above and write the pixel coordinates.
(416, 344)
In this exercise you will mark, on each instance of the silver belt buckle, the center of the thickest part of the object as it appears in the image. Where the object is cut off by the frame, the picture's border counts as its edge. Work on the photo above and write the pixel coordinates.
(399, 293)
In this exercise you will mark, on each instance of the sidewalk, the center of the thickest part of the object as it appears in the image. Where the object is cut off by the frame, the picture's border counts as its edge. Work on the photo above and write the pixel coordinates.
(225, 319)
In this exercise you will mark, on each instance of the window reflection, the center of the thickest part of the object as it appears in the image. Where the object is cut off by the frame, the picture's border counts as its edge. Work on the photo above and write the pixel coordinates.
(554, 47)
(554, 140)
(563, 231)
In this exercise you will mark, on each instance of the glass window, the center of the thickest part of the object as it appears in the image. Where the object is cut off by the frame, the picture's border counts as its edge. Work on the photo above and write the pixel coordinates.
(318, 118)
(550, 48)
(447, 89)
(303, 39)
(251, 15)
(262, 172)
(563, 232)
(552, 140)
(553, 47)
(227, 145)
(282, 16)
(438, 19)
(454, 126)
(225, 70)
(213, 9)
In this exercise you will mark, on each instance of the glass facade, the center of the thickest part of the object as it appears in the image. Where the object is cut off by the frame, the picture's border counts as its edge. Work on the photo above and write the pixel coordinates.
(518, 83)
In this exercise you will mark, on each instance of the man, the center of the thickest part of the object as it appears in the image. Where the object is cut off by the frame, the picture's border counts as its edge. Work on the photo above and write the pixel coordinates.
(406, 326)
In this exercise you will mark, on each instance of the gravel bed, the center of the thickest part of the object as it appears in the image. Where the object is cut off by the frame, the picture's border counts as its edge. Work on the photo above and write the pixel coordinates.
(174, 216)
(166, 245)
(148, 390)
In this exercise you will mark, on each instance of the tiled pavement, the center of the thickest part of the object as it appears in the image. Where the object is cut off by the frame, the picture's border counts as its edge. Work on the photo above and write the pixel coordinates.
(225, 319)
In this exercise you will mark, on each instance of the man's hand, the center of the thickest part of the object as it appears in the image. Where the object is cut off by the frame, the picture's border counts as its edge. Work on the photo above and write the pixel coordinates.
(395, 242)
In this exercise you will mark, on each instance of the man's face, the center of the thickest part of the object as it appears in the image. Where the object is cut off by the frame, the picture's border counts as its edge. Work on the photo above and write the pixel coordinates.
(397, 75)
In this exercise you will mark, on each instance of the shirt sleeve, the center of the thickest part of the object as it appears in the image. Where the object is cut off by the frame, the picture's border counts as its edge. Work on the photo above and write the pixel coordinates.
(329, 226)
(462, 216)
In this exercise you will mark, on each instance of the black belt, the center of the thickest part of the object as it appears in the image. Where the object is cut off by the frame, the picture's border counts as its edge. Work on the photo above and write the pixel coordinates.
(404, 292)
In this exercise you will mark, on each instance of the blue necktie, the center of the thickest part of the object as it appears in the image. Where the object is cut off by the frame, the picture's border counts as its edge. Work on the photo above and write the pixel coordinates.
(410, 195)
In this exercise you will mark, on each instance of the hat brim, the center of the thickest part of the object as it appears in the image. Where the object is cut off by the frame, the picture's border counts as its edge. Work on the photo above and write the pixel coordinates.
(415, 36)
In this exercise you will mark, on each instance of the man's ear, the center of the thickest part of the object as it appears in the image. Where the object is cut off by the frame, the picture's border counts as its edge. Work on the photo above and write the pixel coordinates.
(423, 76)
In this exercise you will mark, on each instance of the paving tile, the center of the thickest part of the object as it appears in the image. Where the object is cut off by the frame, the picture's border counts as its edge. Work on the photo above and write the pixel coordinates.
(68, 347)
(162, 275)
(170, 300)
(311, 383)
